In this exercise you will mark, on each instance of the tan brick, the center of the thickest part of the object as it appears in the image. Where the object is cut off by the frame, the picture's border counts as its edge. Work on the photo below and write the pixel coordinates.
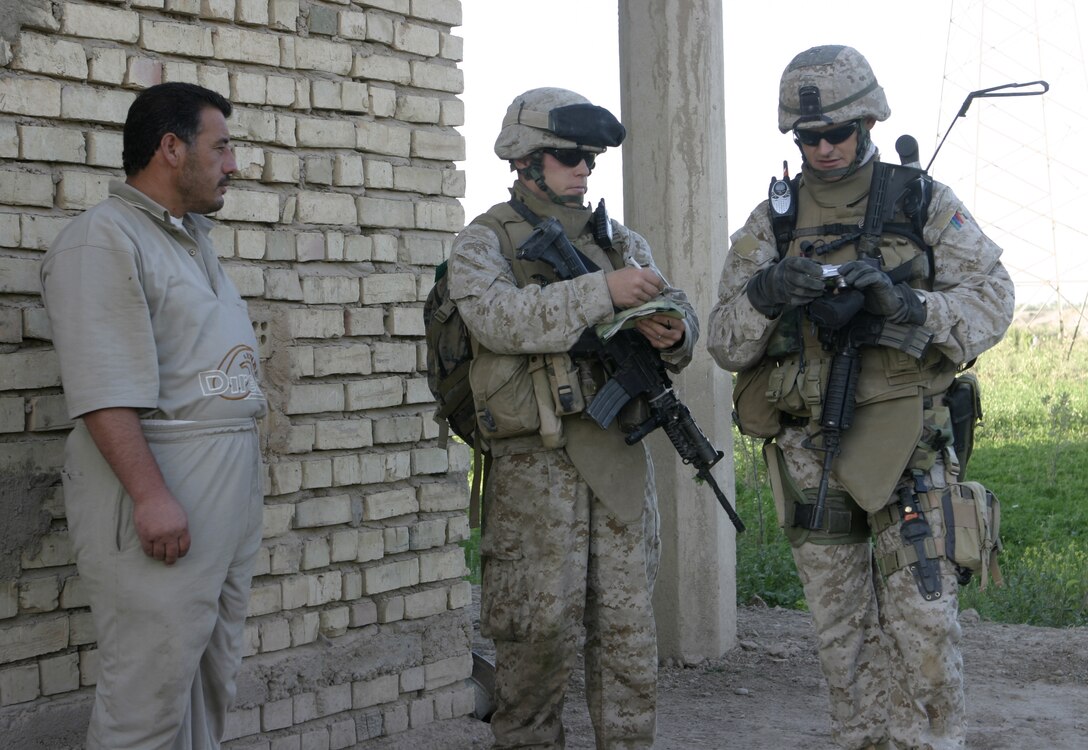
(106, 65)
(249, 280)
(378, 67)
(12, 419)
(265, 599)
(396, 539)
(383, 212)
(352, 24)
(344, 359)
(451, 47)
(184, 7)
(389, 504)
(81, 190)
(59, 674)
(427, 75)
(218, 10)
(275, 634)
(280, 167)
(424, 109)
(250, 205)
(379, 28)
(96, 105)
(253, 12)
(429, 144)
(442, 216)
(304, 628)
(325, 588)
(280, 91)
(430, 461)
(417, 180)
(390, 356)
(447, 12)
(180, 72)
(364, 321)
(319, 54)
(24, 96)
(88, 667)
(453, 183)
(98, 22)
(460, 595)
(19, 188)
(343, 434)
(415, 38)
(390, 576)
(448, 671)
(327, 208)
(41, 636)
(50, 56)
(383, 101)
(315, 324)
(283, 14)
(178, 39)
(316, 133)
(373, 393)
(252, 125)
(442, 565)
(246, 46)
(384, 689)
(443, 496)
(323, 511)
(19, 684)
(29, 369)
(315, 399)
(379, 138)
(248, 88)
(104, 149)
(453, 113)
(20, 275)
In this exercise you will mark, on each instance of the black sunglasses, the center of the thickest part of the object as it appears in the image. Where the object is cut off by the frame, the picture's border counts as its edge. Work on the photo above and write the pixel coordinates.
(835, 136)
(572, 157)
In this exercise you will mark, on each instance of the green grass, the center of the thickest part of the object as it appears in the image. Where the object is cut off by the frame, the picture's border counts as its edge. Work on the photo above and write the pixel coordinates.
(1031, 451)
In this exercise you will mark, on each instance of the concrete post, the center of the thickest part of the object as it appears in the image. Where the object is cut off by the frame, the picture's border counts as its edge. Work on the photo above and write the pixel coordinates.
(672, 84)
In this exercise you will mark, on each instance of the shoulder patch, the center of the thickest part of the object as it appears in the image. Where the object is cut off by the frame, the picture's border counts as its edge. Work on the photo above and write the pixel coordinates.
(745, 246)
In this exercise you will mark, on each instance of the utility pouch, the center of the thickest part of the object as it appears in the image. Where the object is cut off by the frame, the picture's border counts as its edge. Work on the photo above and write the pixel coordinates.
(563, 380)
(502, 389)
(964, 400)
(754, 414)
(972, 519)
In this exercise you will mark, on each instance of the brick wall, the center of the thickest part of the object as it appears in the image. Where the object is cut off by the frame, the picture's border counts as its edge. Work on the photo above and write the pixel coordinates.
(347, 198)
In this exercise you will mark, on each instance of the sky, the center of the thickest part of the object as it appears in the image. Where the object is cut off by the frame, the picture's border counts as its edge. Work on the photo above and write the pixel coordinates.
(927, 55)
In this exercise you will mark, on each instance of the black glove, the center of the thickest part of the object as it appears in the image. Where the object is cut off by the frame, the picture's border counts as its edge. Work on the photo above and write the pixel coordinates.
(791, 282)
(897, 302)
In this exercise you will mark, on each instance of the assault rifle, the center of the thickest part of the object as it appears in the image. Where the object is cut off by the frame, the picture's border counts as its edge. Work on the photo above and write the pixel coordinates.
(634, 369)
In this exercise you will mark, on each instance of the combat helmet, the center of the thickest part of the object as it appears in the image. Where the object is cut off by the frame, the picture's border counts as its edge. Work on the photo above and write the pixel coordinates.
(826, 85)
(555, 118)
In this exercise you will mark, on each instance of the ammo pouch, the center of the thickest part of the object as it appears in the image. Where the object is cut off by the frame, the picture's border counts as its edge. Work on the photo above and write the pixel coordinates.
(972, 519)
(844, 521)
(502, 389)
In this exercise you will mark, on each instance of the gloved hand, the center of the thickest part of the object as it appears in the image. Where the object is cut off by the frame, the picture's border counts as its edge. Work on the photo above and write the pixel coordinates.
(791, 282)
(897, 302)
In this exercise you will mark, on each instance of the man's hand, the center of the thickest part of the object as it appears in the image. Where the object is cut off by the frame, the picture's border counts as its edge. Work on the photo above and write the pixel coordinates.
(896, 302)
(163, 528)
(631, 287)
(791, 282)
(161, 522)
(662, 331)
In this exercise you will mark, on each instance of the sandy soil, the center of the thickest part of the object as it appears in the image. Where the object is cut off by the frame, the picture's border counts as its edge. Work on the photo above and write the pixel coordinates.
(1027, 689)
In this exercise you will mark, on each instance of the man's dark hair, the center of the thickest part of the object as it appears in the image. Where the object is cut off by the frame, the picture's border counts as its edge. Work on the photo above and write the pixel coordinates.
(165, 108)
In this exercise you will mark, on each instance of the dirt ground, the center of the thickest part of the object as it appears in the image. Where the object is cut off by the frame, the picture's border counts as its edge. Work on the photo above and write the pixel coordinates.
(1027, 689)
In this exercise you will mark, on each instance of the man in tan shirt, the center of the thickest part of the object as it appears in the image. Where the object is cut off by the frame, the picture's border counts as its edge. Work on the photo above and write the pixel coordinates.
(162, 471)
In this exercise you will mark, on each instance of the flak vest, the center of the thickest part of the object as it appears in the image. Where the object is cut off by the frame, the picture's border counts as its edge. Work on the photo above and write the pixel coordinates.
(615, 472)
(892, 384)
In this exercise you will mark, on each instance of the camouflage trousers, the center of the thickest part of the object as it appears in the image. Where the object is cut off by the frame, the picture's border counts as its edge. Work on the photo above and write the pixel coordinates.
(891, 659)
(554, 560)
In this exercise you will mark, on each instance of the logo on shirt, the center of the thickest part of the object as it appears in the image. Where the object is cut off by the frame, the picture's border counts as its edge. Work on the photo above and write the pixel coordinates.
(235, 378)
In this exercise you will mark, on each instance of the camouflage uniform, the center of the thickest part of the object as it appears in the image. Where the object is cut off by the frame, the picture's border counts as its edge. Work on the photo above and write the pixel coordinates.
(560, 549)
(891, 659)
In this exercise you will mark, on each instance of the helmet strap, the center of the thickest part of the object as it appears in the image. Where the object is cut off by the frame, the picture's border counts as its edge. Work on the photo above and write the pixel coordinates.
(535, 172)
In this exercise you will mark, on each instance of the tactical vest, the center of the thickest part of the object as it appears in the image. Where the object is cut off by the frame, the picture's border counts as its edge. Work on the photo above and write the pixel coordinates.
(892, 384)
(619, 474)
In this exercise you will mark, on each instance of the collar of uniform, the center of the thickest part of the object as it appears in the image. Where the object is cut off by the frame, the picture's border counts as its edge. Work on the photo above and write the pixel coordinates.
(140, 200)
(844, 192)
(575, 220)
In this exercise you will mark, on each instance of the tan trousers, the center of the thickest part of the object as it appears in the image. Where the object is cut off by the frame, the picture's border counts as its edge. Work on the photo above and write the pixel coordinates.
(554, 558)
(169, 638)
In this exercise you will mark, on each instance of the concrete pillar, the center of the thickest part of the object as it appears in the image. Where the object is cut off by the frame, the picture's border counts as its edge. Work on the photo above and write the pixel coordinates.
(672, 85)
